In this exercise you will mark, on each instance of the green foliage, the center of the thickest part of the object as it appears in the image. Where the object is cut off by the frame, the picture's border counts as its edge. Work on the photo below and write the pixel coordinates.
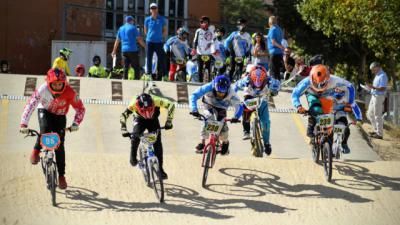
(251, 10)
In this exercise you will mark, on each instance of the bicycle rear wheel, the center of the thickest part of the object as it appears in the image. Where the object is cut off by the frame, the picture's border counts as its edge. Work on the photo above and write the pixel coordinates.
(206, 165)
(327, 160)
(157, 181)
(257, 139)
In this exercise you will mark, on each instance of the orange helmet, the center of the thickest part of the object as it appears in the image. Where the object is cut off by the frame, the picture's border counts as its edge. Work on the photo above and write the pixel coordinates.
(258, 77)
(319, 78)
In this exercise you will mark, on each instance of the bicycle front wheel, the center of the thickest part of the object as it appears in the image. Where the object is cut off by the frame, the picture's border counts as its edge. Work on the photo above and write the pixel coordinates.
(157, 181)
(52, 182)
(327, 160)
(257, 139)
(144, 168)
(315, 150)
(206, 165)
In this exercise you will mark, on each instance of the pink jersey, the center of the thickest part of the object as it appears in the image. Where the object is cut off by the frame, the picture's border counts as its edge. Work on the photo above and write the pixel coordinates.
(43, 99)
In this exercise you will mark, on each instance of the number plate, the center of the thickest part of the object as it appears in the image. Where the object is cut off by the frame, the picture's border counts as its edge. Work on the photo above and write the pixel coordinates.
(214, 127)
(325, 120)
(219, 64)
(149, 138)
(251, 103)
(339, 128)
(239, 59)
(205, 58)
(50, 141)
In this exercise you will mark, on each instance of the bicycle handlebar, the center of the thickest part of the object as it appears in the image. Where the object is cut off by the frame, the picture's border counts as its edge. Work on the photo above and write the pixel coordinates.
(32, 132)
(204, 118)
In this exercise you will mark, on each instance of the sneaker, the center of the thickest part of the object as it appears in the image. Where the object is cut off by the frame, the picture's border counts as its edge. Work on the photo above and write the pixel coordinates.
(164, 175)
(246, 136)
(62, 183)
(376, 136)
(267, 149)
(35, 158)
(371, 133)
(133, 161)
(312, 141)
(225, 149)
(346, 149)
(199, 148)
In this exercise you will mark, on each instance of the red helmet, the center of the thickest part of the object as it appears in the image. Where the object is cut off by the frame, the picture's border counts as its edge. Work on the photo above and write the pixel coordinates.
(80, 70)
(258, 77)
(56, 75)
(145, 106)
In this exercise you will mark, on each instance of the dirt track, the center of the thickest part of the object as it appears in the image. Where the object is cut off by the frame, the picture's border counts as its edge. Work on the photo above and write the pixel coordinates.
(104, 189)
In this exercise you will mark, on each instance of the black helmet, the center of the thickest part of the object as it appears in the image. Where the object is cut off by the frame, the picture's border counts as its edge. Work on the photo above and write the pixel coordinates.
(96, 58)
(205, 18)
(220, 29)
(316, 59)
(241, 21)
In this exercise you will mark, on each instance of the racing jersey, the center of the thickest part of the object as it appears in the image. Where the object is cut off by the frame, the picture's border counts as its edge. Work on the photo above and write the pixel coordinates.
(158, 102)
(334, 82)
(238, 44)
(204, 41)
(219, 46)
(179, 49)
(42, 98)
(61, 64)
(206, 91)
(245, 86)
(97, 71)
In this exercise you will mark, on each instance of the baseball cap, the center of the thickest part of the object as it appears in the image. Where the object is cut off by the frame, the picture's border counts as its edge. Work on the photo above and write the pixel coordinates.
(153, 5)
(128, 18)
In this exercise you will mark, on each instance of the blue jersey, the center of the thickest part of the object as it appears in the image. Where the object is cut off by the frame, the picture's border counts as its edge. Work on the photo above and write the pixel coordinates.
(127, 34)
(238, 44)
(154, 28)
(206, 91)
(179, 49)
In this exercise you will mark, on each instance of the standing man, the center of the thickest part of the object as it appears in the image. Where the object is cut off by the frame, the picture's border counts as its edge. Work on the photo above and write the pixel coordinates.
(275, 48)
(378, 92)
(155, 29)
(128, 35)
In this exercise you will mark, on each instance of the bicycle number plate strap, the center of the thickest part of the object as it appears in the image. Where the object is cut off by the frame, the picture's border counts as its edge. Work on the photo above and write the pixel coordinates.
(251, 104)
(50, 141)
(325, 120)
(339, 128)
(214, 127)
(149, 138)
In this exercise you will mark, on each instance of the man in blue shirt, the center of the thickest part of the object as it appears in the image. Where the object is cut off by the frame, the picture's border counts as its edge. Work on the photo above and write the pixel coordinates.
(275, 48)
(128, 35)
(155, 29)
(378, 92)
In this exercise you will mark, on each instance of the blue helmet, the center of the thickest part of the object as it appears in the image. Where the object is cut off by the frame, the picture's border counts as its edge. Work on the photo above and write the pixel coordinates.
(221, 83)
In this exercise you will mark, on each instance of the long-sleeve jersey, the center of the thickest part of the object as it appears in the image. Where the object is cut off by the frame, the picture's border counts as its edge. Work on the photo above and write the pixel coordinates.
(61, 64)
(334, 82)
(179, 49)
(206, 91)
(42, 98)
(203, 41)
(219, 46)
(238, 44)
(159, 102)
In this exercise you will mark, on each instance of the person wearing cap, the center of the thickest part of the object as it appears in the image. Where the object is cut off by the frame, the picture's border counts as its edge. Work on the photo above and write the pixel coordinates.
(155, 29)
(275, 48)
(378, 92)
(128, 35)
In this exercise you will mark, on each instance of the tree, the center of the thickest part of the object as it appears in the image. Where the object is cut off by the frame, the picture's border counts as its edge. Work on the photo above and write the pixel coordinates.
(251, 10)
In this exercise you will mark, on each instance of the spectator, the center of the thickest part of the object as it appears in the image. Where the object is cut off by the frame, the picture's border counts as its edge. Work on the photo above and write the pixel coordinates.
(259, 51)
(4, 67)
(61, 62)
(80, 70)
(129, 36)
(97, 70)
(289, 68)
(378, 92)
(155, 29)
(275, 48)
(287, 54)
